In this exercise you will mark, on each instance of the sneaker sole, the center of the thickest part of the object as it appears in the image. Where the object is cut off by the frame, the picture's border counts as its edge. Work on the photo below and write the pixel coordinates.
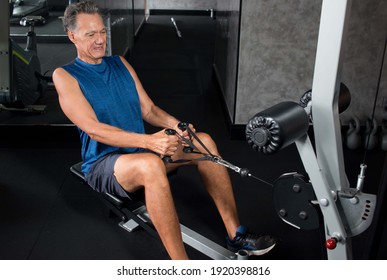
(261, 252)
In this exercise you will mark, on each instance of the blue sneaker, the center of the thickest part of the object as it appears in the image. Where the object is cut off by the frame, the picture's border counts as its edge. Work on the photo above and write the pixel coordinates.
(253, 243)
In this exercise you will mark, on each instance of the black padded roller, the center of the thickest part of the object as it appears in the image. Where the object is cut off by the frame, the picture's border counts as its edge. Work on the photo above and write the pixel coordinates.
(277, 127)
(343, 102)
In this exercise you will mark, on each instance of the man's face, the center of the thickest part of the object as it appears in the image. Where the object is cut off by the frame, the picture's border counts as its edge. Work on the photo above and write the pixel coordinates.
(89, 38)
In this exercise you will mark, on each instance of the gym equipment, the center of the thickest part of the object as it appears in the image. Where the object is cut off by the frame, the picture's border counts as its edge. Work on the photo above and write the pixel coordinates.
(346, 211)
(293, 201)
(23, 8)
(21, 81)
(344, 99)
(353, 137)
(277, 127)
(133, 214)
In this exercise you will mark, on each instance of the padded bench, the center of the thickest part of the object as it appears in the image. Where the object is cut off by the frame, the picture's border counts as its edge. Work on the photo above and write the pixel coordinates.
(131, 209)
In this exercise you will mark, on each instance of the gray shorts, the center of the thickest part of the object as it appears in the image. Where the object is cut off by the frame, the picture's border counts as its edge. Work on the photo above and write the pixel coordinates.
(101, 176)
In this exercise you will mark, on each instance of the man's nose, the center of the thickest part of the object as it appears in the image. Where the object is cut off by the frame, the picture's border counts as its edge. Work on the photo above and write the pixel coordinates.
(101, 37)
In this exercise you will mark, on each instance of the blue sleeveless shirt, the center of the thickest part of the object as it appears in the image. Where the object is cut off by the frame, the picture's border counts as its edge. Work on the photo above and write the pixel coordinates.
(112, 93)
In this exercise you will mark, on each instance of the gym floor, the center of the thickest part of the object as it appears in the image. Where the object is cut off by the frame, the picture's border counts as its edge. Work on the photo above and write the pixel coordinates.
(48, 214)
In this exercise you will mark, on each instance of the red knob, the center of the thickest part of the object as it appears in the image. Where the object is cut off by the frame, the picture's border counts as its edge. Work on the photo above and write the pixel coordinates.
(331, 243)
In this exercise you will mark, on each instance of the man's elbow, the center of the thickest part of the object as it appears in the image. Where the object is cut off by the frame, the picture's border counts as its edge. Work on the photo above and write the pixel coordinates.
(92, 131)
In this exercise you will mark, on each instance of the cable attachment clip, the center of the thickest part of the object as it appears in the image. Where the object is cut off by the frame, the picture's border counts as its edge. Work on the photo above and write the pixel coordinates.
(360, 177)
(244, 172)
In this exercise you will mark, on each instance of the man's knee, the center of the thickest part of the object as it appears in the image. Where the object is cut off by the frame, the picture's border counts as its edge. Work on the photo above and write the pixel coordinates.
(139, 169)
(153, 173)
(150, 164)
(208, 141)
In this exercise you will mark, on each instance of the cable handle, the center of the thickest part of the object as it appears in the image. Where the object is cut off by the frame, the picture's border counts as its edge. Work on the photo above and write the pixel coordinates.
(169, 131)
(183, 127)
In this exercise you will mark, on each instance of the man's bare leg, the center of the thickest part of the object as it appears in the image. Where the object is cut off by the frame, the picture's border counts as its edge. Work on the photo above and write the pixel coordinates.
(218, 184)
(216, 180)
(134, 170)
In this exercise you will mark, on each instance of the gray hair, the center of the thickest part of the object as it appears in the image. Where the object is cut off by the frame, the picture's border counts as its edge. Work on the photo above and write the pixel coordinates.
(71, 12)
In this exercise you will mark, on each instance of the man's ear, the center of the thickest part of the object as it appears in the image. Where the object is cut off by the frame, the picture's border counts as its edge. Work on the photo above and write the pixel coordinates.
(71, 36)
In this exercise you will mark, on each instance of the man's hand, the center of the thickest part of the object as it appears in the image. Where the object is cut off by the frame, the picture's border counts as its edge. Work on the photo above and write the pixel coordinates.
(162, 143)
(184, 132)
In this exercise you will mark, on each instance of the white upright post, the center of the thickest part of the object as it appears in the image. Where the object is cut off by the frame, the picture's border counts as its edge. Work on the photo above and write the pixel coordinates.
(326, 122)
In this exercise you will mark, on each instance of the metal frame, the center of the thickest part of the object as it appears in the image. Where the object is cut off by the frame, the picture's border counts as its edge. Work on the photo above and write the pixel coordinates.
(341, 206)
(190, 237)
(5, 75)
(327, 171)
(326, 85)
